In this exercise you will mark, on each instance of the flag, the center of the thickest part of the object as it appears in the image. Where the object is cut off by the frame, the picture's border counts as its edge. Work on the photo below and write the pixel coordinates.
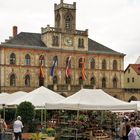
(83, 68)
(41, 74)
(68, 67)
(55, 63)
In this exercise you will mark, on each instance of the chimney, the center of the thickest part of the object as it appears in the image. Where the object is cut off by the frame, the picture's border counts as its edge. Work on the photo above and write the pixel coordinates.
(14, 31)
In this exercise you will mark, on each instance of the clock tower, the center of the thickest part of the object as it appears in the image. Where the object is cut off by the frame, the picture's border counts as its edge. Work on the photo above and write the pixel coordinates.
(65, 17)
(64, 35)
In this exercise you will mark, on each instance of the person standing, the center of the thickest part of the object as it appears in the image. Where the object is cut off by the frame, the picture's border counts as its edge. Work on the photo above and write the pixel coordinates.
(18, 128)
(132, 133)
(3, 127)
(137, 130)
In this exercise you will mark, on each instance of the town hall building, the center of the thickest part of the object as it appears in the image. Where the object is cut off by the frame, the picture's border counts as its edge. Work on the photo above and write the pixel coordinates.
(61, 58)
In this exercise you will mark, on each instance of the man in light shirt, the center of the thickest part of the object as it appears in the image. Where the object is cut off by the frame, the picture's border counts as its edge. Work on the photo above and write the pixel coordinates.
(18, 128)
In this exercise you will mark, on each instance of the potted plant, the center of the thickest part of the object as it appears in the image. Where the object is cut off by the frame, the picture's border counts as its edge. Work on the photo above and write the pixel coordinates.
(50, 133)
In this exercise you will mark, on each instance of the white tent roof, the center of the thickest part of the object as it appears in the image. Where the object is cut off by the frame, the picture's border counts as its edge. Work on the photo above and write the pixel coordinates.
(5, 98)
(138, 104)
(2, 95)
(91, 99)
(39, 97)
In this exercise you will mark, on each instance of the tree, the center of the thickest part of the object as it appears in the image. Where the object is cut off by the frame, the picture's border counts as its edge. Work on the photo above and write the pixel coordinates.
(27, 112)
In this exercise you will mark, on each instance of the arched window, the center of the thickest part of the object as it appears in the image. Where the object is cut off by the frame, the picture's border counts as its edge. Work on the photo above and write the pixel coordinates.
(104, 64)
(55, 80)
(68, 62)
(92, 64)
(80, 81)
(93, 81)
(103, 82)
(55, 40)
(12, 58)
(68, 80)
(27, 59)
(12, 80)
(58, 19)
(80, 43)
(67, 22)
(114, 82)
(41, 60)
(27, 80)
(80, 63)
(114, 65)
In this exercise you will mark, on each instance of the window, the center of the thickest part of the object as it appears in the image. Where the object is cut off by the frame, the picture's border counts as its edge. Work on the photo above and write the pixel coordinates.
(92, 64)
(67, 22)
(80, 43)
(104, 64)
(27, 59)
(27, 80)
(128, 80)
(80, 63)
(104, 82)
(55, 40)
(68, 62)
(128, 70)
(41, 60)
(68, 80)
(93, 81)
(115, 82)
(80, 81)
(12, 58)
(13, 80)
(114, 65)
(133, 80)
(55, 80)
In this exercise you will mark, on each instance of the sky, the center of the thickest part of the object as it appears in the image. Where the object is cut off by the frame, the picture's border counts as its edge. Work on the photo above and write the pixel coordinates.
(113, 23)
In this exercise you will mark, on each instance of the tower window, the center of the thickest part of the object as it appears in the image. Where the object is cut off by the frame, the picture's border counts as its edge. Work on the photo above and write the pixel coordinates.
(67, 22)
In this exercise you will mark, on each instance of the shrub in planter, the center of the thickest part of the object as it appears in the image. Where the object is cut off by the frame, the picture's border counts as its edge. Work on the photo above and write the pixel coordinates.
(50, 132)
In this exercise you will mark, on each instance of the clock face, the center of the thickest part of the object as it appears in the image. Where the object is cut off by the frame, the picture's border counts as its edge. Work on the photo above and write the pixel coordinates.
(68, 41)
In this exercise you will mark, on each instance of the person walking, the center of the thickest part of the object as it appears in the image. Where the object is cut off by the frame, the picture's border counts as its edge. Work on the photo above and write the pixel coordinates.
(17, 127)
(3, 127)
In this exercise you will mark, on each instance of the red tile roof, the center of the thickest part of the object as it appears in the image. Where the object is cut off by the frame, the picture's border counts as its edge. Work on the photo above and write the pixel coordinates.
(136, 68)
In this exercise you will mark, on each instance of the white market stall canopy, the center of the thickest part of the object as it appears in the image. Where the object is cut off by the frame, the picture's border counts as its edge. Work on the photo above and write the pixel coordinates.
(39, 97)
(91, 99)
(138, 104)
(5, 98)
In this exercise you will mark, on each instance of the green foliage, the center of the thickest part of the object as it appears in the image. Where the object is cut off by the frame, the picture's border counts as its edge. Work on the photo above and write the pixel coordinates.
(36, 136)
(50, 132)
(27, 113)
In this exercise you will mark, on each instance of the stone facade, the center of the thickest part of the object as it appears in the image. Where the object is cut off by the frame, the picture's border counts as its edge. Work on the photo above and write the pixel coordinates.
(27, 55)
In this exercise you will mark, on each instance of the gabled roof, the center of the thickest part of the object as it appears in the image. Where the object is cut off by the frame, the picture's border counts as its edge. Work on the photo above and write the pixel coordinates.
(135, 67)
(33, 40)
(138, 60)
(24, 38)
(101, 49)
